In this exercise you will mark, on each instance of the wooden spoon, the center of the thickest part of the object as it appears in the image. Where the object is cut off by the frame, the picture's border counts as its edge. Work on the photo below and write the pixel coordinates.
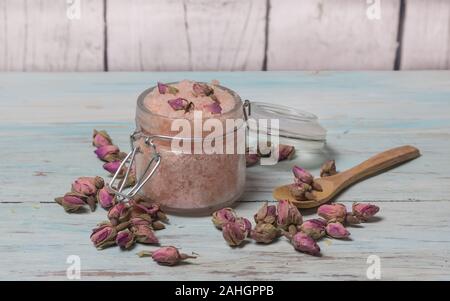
(334, 184)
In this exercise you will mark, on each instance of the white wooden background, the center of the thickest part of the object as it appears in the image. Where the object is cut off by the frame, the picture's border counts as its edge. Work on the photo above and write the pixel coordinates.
(160, 35)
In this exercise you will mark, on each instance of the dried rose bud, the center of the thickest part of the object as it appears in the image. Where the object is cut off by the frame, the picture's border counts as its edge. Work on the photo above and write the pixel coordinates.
(151, 208)
(316, 186)
(337, 230)
(163, 89)
(108, 153)
(119, 213)
(125, 239)
(234, 233)
(265, 233)
(350, 219)
(298, 191)
(364, 211)
(213, 108)
(223, 216)
(314, 228)
(157, 225)
(245, 224)
(328, 169)
(266, 214)
(72, 201)
(105, 198)
(333, 212)
(142, 219)
(144, 234)
(305, 244)
(302, 175)
(251, 159)
(201, 89)
(178, 103)
(285, 152)
(166, 255)
(103, 236)
(87, 185)
(101, 138)
(288, 215)
(113, 167)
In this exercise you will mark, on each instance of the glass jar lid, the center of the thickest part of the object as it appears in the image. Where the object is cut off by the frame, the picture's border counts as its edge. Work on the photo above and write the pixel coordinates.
(293, 123)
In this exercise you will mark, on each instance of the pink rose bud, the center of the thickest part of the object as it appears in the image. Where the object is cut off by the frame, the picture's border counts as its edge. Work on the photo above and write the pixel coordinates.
(302, 175)
(234, 234)
(328, 169)
(265, 233)
(251, 159)
(72, 201)
(100, 138)
(315, 228)
(108, 153)
(245, 224)
(143, 219)
(337, 230)
(201, 89)
(350, 219)
(288, 215)
(285, 152)
(87, 185)
(153, 209)
(125, 239)
(166, 255)
(266, 214)
(223, 216)
(305, 244)
(298, 191)
(364, 211)
(333, 212)
(178, 103)
(163, 89)
(103, 236)
(119, 213)
(157, 225)
(105, 198)
(144, 234)
(113, 167)
(213, 108)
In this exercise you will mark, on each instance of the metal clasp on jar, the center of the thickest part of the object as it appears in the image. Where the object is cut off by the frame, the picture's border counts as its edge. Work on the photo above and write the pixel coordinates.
(129, 160)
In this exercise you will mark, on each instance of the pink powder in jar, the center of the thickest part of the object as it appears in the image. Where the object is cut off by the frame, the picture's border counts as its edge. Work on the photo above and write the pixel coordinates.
(189, 183)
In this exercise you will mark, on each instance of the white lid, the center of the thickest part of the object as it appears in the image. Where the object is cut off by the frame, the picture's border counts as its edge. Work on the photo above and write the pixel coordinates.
(294, 123)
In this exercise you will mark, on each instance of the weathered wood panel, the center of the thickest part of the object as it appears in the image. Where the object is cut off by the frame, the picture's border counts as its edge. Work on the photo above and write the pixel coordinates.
(186, 35)
(426, 36)
(40, 36)
(331, 35)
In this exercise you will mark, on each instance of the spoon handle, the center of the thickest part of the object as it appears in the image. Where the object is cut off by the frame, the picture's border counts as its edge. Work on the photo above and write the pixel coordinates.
(379, 163)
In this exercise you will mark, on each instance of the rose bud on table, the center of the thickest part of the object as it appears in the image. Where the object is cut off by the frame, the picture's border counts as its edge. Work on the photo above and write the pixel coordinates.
(101, 138)
(315, 228)
(166, 255)
(305, 244)
(285, 152)
(119, 213)
(289, 216)
(104, 236)
(265, 233)
(223, 216)
(108, 153)
(337, 230)
(106, 198)
(72, 201)
(364, 211)
(333, 212)
(144, 234)
(87, 185)
(125, 239)
(234, 233)
(266, 214)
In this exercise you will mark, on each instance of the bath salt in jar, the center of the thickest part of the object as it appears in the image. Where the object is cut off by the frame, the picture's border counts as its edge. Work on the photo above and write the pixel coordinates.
(188, 148)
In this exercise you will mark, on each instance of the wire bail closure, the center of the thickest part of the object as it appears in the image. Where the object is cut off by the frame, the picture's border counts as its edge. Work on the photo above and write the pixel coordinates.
(129, 160)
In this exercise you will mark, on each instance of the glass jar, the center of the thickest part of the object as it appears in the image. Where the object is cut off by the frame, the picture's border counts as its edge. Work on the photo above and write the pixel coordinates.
(185, 181)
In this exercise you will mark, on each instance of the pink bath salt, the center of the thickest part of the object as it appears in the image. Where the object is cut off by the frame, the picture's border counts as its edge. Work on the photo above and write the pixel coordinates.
(158, 103)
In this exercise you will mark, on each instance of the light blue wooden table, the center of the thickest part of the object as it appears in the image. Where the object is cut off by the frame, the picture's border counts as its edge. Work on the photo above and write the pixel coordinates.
(46, 122)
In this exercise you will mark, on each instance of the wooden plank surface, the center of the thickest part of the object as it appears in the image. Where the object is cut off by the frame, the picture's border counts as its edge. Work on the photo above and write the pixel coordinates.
(45, 136)
(39, 36)
(186, 35)
(426, 37)
(331, 35)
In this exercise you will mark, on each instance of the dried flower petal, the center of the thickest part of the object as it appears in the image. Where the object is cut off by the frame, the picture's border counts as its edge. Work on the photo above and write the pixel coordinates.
(106, 198)
(245, 224)
(87, 185)
(328, 169)
(315, 228)
(108, 153)
(302, 175)
(265, 233)
(178, 103)
(364, 211)
(113, 167)
(142, 219)
(103, 236)
(288, 215)
(333, 212)
(213, 108)
(350, 219)
(125, 239)
(163, 89)
(223, 216)
(266, 214)
(144, 234)
(166, 255)
(305, 244)
(101, 138)
(337, 230)
(201, 89)
(119, 213)
(285, 152)
(234, 234)
(72, 201)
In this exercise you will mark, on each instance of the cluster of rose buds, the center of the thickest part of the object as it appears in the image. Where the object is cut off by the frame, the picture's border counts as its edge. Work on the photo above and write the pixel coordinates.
(328, 169)
(304, 185)
(128, 223)
(166, 255)
(85, 191)
(234, 229)
(112, 156)
(285, 152)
